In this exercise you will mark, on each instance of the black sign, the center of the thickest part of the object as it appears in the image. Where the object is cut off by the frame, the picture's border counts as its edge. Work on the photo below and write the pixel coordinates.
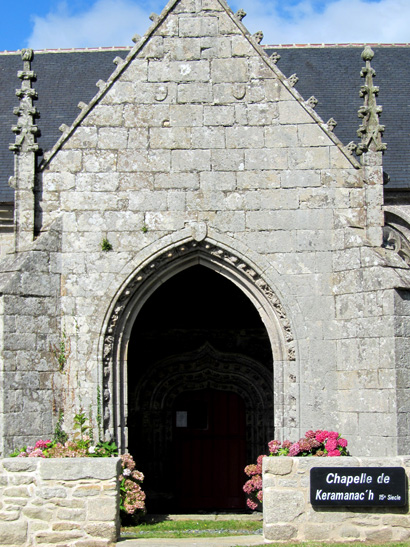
(358, 486)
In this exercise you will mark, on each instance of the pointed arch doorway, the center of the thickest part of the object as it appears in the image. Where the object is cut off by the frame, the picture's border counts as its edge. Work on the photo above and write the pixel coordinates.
(200, 392)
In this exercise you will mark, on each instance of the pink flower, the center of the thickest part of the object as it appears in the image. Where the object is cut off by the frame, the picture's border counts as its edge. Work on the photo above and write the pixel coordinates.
(251, 504)
(321, 436)
(42, 444)
(310, 434)
(333, 453)
(331, 445)
(294, 449)
(332, 435)
(286, 444)
(274, 446)
(304, 445)
(342, 442)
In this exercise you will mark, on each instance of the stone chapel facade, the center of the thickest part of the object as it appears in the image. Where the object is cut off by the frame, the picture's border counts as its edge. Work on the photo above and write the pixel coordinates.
(200, 241)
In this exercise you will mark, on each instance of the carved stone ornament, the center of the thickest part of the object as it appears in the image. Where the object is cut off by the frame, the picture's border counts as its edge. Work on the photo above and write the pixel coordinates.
(240, 14)
(394, 240)
(312, 101)
(153, 269)
(199, 231)
(258, 36)
(331, 124)
(275, 57)
(351, 147)
(239, 91)
(161, 93)
(154, 17)
(370, 130)
(25, 129)
(136, 38)
(293, 80)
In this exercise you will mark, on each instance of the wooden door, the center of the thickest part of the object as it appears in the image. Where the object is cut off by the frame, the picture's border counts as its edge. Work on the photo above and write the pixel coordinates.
(209, 450)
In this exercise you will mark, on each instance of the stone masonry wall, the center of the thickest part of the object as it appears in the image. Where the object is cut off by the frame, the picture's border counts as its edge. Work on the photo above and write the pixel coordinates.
(289, 516)
(74, 502)
(199, 128)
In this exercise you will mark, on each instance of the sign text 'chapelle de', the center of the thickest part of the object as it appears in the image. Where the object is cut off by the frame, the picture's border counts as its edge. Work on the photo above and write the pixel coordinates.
(358, 486)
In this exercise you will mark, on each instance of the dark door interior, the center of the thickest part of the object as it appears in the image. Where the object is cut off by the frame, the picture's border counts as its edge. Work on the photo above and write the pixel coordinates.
(209, 450)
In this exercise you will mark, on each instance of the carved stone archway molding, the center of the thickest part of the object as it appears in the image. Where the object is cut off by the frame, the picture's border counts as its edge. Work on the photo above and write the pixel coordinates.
(205, 368)
(144, 283)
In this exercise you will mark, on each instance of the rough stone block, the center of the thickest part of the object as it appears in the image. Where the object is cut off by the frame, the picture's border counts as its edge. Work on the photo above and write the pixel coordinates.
(292, 112)
(208, 137)
(13, 535)
(229, 70)
(263, 114)
(219, 115)
(279, 532)
(79, 468)
(282, 506)
(178, 71)
(170, 137)
(103, 115)
(244, 137)
(198, 26)
(281, 136)
(191, 160)
(186, 115)
(110, 138)
(195, 93)
(102, 509)
(183, 50)
(234, 161)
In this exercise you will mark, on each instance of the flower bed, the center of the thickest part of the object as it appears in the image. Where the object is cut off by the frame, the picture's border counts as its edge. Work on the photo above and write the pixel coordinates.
(320, 443)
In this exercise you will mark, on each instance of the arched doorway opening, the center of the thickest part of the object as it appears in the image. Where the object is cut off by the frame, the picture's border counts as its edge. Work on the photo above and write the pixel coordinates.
(200, 391)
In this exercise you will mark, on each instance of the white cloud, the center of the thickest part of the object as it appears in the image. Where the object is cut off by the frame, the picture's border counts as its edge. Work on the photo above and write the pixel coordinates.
(114, 22)
(342, 21)
(107, 23)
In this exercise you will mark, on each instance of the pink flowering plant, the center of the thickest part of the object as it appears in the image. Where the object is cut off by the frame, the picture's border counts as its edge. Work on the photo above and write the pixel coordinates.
(320, 443)
(132, 505)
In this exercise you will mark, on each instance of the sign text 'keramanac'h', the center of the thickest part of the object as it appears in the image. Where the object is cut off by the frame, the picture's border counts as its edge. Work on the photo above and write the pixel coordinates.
(358, 486)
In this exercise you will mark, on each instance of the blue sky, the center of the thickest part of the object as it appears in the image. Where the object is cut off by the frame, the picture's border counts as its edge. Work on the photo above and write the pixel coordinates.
(48, 24)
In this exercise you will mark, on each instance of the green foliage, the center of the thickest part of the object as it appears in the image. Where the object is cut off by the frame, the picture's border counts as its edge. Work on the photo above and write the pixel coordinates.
(61, 351)
(106, 245)
(144, 229)
(60, 436)
(193, 528)
(99, 413)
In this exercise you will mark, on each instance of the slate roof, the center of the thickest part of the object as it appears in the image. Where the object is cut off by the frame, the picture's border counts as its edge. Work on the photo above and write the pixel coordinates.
(330, 73)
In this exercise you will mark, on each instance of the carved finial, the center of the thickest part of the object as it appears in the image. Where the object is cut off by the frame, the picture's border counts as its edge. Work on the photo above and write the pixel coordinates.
(136, 38)
(81, 105)
(258, 36)
(25, 129)
(118, 61)
(154, 17)
(370, 130)
(63, 128)
(27, 55)
(240, 14)
(275, 57)
(331, 124)
(100, 84)
(312, 101)
(293, 80)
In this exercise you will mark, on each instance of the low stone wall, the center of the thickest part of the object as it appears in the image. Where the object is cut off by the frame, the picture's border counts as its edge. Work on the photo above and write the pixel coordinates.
(288, 514)
(70, 502)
